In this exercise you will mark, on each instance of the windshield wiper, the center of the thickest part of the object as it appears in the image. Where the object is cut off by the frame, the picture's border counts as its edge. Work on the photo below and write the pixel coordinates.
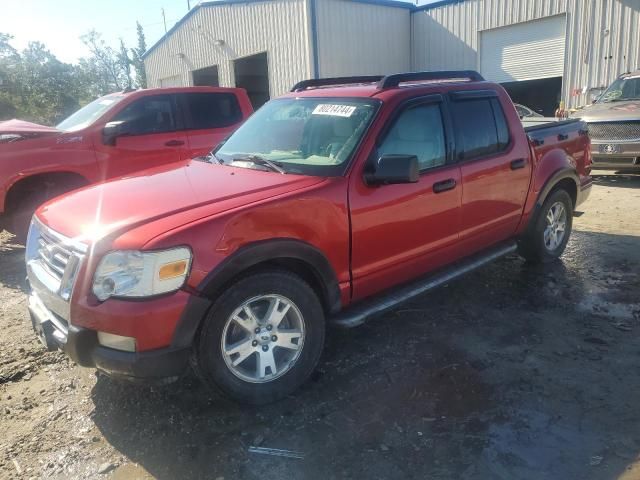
(264, 162)
(211, 157)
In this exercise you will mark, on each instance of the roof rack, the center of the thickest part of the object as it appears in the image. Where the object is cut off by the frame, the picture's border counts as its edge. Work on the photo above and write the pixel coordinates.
(396, 79)
(324, 82)
(389, 81)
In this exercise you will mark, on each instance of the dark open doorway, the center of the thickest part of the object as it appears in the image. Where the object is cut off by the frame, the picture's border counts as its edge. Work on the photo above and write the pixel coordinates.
(541, 96)
(252, 74)
(206, 77)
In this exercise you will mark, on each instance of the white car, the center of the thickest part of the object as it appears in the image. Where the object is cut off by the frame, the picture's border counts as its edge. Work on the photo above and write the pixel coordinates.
(525, 112)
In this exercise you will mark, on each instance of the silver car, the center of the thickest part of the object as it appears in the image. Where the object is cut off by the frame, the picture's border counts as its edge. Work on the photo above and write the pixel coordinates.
(614, 124)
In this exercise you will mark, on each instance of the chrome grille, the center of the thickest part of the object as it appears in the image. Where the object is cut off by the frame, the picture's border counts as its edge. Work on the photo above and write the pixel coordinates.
(52, 260)
(54, 257)
(614, 130)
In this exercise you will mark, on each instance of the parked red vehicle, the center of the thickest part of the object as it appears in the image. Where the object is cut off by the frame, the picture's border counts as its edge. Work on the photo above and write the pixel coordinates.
(331, 204)
(115, 135)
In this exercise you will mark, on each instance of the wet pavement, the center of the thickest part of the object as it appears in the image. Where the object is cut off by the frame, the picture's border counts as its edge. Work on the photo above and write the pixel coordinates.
(513, 372)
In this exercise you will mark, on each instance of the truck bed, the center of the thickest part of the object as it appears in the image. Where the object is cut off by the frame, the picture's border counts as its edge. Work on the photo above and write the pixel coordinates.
(537, 123)
(547, 131)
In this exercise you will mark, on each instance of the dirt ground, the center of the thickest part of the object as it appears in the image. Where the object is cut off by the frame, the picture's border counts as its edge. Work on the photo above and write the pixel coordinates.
(514, 372)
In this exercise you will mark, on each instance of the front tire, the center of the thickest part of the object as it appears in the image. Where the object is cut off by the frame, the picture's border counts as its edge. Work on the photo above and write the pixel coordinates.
(262, 338)
(546, 240)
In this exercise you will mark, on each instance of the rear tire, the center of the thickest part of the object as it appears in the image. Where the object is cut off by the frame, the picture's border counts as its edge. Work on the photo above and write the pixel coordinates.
(547, 237)
(262, 338)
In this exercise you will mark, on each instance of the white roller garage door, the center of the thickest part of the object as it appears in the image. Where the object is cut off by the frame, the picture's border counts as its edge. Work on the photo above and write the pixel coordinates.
(525, 51)
(174, 81)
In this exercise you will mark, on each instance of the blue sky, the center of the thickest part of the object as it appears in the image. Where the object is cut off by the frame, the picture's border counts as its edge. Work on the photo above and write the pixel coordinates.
(59, 23)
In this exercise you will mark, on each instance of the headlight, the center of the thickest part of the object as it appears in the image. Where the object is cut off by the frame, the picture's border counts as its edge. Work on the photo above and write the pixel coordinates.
(129, 273)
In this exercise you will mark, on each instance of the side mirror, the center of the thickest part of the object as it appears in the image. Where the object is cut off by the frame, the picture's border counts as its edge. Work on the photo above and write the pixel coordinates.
(594, 98)
(391, 169)
(112, 131)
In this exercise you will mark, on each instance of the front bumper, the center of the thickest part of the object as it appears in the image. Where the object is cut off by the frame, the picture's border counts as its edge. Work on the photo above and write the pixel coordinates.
(81, 345)
(615, 155)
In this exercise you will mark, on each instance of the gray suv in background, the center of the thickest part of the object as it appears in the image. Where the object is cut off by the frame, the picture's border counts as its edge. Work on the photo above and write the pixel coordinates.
(614, 124)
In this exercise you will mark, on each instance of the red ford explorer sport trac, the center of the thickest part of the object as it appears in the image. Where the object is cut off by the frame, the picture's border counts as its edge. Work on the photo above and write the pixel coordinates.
(331, 204)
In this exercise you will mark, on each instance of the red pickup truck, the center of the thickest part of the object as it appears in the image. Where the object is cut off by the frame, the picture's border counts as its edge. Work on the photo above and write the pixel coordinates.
(113, 136)
(331, 204)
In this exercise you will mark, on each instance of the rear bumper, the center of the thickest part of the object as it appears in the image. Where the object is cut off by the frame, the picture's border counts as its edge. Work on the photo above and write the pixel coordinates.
(584, 191)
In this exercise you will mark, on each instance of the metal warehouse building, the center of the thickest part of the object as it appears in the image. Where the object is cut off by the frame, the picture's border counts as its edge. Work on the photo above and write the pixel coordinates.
(542, 51)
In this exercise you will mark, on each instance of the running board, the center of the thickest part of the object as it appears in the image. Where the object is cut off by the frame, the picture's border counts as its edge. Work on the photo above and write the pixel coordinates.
(358, 314)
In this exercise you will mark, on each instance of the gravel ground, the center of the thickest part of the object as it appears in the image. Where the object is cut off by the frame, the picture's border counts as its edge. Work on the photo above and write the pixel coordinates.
(514, 372)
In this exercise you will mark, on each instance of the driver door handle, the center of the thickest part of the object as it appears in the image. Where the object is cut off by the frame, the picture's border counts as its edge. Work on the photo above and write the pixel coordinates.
(517, 164)
(174, 143)
(444, 185)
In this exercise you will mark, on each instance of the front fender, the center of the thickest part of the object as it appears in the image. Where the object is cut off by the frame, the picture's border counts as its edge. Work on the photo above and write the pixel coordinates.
(247, 257)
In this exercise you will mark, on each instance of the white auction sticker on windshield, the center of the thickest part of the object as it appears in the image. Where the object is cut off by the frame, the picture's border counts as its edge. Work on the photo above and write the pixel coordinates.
(106, 101)
(334, 110)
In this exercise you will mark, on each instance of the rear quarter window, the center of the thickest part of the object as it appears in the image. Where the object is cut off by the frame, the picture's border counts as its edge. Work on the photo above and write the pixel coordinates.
(211, 110)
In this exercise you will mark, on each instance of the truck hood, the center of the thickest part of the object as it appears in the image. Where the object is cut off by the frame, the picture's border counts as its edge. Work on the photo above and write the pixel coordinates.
(611, 111)
(185, 192)
(19, 127)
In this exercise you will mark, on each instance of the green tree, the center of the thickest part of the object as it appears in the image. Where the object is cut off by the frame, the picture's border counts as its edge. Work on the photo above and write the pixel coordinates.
(105, 61)
(8, 59)
(46, 88)
(136, 61)
(36, 86)
(125, 63)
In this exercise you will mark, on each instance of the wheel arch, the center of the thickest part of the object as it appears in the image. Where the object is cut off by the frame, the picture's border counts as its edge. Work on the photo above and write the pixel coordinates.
(565, 178)
(291, 255)
(21, 184)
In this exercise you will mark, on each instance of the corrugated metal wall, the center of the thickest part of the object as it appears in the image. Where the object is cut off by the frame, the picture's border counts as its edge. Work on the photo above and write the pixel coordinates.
(279, 27)
(362, 39)
(603, 37)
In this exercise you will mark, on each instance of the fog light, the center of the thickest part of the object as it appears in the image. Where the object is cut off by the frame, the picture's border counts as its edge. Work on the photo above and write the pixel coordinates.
(117, 342)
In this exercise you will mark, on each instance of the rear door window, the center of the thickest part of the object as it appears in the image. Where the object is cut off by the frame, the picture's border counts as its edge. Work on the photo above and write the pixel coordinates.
(148, 115)
(210, 110)
(481, 128)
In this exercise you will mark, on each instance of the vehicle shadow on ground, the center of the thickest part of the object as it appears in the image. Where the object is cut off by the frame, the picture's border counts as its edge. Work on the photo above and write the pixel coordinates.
(515, 371)
(12, 266)
(621, 180)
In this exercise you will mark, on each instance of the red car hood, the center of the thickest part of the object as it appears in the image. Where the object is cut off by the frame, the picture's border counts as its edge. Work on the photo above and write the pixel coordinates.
(185, 192)
(19, 127)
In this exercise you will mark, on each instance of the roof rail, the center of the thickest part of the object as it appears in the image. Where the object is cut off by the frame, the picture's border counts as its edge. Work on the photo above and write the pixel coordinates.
(388, 81)
(323, 82)
(394, 80)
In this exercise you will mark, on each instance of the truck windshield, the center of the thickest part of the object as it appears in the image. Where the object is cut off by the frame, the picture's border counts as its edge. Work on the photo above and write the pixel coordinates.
(625, 88)
(310, 136)
(89, 113)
